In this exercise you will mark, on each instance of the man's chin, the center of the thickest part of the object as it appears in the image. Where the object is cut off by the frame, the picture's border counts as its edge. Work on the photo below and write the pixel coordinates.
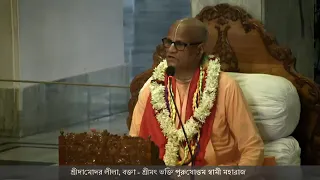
(170, 63)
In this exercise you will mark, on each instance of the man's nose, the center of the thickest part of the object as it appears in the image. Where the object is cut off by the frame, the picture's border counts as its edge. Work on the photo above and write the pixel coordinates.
(172, 48)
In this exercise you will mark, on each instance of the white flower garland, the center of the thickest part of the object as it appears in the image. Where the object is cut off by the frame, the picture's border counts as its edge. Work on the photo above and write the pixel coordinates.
(192, 127)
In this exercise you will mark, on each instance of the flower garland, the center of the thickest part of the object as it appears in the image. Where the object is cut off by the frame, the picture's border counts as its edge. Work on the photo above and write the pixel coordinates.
(195, 103)
(193, 125)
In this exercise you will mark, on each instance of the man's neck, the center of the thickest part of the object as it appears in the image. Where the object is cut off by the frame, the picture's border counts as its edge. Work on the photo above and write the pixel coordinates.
(185, 75)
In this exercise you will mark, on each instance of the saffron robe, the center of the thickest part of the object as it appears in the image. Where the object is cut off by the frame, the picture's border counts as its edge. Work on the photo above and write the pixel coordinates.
(235, 139)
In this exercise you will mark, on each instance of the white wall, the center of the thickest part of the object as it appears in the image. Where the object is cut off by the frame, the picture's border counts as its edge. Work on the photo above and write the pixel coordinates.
(63, 38)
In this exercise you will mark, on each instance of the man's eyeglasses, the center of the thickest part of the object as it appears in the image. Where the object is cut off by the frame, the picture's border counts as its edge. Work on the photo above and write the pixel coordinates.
(180, 46)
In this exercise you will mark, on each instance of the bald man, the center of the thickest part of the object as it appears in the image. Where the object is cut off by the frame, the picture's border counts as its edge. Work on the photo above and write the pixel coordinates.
(217, 122)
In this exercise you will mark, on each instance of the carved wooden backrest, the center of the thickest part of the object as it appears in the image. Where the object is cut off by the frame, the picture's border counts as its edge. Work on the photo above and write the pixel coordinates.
(243, 46)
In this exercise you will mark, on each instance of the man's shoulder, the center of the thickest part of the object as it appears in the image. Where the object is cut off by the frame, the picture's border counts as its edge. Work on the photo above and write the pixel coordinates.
(226, 81)
(146, 85)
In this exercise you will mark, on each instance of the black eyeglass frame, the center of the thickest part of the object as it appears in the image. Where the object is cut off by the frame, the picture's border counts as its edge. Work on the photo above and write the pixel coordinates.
(184, 45)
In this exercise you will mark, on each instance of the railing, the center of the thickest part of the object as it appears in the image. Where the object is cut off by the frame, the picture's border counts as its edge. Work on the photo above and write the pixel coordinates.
(44, 106)
(63, 83)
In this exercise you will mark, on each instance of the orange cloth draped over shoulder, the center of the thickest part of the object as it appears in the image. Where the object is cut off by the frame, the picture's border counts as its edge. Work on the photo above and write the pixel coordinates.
(229, 136)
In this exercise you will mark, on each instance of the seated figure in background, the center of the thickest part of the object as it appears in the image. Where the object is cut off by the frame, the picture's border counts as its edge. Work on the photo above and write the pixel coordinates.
(217, 121)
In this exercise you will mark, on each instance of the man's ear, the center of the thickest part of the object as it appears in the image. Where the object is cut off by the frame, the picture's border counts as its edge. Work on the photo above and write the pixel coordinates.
(201, 49)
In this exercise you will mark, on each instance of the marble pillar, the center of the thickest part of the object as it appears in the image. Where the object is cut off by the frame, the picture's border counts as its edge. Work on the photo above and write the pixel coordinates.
(9, 91)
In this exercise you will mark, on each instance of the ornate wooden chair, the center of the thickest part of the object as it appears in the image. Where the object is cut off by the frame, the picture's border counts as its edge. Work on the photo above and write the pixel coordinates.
(245, 47)
(103, 148)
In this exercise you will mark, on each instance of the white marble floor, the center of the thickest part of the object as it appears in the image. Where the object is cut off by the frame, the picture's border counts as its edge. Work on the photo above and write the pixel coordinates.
(43, 148)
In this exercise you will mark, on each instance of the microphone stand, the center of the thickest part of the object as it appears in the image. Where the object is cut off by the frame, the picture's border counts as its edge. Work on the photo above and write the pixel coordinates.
(183, 130)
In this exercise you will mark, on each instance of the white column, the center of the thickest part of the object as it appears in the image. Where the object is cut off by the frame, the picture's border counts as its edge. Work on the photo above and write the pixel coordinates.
(9, 69)
(9, 56)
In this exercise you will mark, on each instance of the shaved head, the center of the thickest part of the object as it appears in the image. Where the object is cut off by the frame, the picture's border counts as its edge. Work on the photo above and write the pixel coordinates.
(184, 45)
(193, 28)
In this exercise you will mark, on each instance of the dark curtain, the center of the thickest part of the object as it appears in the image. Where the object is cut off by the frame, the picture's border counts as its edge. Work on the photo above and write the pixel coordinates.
(317, 39)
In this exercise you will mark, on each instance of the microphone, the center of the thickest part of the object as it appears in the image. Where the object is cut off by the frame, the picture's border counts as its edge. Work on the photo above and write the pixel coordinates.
(170, 71)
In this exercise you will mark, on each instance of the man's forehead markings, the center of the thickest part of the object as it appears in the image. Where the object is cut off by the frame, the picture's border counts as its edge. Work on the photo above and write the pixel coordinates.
(176, 31)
